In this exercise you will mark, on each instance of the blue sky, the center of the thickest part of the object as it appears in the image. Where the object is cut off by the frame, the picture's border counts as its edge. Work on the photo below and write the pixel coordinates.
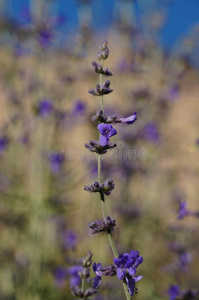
(181, 14)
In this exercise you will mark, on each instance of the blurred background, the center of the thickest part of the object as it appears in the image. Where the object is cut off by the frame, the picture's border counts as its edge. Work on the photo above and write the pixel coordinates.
(46, 53)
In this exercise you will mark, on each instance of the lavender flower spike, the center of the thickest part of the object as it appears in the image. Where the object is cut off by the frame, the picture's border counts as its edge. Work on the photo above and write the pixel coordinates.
(106, 131)
(130, 120)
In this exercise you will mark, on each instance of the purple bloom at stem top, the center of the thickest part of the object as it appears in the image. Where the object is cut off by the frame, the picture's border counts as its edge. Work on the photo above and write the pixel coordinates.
(106, 131)
(126, 269)
(130, 120)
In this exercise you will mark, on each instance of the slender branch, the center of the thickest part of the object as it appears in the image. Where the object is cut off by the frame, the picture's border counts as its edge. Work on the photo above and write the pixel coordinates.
(102, 198)
(128, 297)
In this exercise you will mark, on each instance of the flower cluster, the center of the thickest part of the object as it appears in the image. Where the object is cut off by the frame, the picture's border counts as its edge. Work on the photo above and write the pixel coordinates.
(98, 69)
(107, 224)
(95, 146)
(97, 187)
(100, 118)
(125, 266)
(79, 274)
(104, 89)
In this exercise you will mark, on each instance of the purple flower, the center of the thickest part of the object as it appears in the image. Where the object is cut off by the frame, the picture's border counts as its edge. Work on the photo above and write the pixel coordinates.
(106, 131)
(126, 267)
(98, 277)
(3, 143)
(102, 271)
(45, 108)
(73, 272)
(45, 36)
(56, 162)
(183, 211)
(106, 225)
(151, 132)
(184, 260)
(78, 108)
(173, 292)
(60, 276)
(130, 120)
(70, 239)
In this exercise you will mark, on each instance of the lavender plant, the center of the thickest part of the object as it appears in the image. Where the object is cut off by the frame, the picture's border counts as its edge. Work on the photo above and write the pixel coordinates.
(125, 265)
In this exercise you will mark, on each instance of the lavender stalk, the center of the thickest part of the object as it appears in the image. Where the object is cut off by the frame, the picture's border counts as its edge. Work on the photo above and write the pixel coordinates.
(102, 198)
(125, 266)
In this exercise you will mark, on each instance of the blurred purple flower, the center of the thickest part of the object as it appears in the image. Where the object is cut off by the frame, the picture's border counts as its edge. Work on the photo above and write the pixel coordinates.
(3, 143)
(174, 291)
(73, 271)
(60, 276)
(45, 107)
(184, 260)
(183, 211)
(70, 239)
(173, 93)
(56, 162)
(25, 139)
(106, 131)
(151, 132)
(79, 108)
(123, 65)
(45, 36)
(129, 120)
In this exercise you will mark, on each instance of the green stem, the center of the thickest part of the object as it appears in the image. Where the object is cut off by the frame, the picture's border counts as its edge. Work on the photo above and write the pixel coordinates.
(82, 285)
(128, 297)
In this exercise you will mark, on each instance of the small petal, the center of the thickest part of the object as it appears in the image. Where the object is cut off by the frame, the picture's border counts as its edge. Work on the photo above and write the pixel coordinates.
(134, 254)
(120, 274)
(94, 267)
(131, 285)
(112, 132)
(97, 281)
(130, 120)
(103, 140)
(137, 278)
(116, 261)
(132, 271)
